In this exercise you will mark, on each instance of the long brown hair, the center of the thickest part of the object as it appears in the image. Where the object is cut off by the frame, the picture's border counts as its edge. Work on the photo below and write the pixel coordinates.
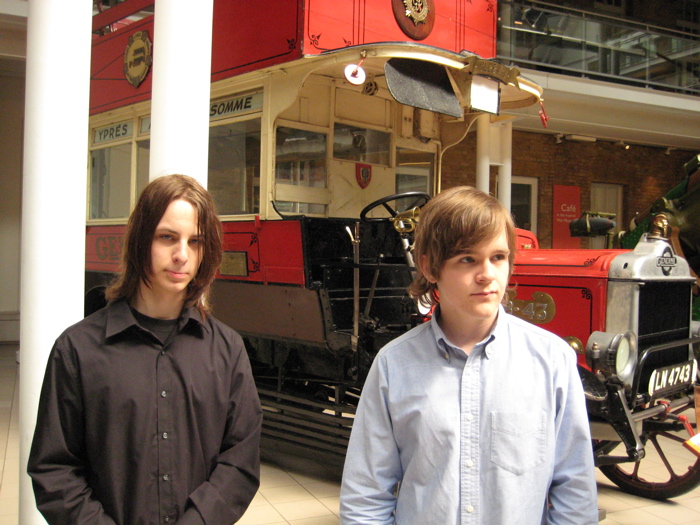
(451, 223)
(136, 254)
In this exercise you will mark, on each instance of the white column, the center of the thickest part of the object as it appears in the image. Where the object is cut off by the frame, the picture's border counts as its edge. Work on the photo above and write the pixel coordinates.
(181, 85)
(483, 147)
(53, 200)
(505, 170)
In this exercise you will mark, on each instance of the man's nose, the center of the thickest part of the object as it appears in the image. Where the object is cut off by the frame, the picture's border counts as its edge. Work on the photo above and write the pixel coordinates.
(486, 271)
(181, 252)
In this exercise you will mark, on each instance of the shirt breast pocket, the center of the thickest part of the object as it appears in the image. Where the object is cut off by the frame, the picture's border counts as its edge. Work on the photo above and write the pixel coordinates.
(518, 440)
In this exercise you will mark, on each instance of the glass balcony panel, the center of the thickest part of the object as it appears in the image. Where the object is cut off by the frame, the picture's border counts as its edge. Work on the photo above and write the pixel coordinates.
(579, 43)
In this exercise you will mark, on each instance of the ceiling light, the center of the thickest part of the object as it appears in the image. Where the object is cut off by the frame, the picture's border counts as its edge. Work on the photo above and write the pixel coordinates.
(559, 137)
(580, 138)
(354, 73)
(622, 144)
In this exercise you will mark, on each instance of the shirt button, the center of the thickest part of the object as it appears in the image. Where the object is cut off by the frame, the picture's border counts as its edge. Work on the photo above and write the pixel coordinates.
(163, 394)
(469, 417)
(470, 463)
(165, 435)
(162, 352)
(167, 519)
(166, 477)
(470, 509)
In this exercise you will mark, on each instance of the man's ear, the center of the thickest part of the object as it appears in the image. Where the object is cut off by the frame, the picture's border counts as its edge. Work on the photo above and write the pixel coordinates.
(424, 266)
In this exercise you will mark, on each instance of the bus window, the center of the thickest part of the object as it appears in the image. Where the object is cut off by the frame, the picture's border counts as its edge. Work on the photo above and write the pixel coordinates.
(143, 159)
(234, 167)
(110, 178)
(414, 170)
(300, 171)
(361, 144)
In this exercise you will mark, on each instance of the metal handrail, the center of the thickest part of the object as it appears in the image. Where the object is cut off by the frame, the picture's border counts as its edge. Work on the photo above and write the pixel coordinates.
(630, 55)
(622, 21)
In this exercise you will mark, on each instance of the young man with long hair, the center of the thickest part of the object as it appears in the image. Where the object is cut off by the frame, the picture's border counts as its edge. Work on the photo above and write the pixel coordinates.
(149, 412)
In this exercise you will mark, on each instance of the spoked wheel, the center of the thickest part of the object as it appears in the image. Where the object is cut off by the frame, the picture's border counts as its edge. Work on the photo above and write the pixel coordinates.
(668, 469)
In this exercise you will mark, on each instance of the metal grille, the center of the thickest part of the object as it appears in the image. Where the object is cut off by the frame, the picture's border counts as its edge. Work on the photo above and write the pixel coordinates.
(663, 319)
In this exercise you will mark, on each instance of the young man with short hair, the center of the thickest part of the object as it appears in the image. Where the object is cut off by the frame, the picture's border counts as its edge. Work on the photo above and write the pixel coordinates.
(149, 413)
(475, 416)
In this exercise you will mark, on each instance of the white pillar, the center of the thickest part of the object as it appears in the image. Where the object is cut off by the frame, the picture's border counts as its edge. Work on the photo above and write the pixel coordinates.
(53, 200)
(181, 86)
(483, 147)
(505, 170)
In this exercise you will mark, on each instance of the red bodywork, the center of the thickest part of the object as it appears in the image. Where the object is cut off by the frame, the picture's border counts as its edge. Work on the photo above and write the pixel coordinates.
(103, 248)
(563, 291)
(273, 251)
(248, 36)
(575, 280)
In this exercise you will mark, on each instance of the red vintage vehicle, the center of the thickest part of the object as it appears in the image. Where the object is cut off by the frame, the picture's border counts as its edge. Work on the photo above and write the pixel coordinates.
(319, 177)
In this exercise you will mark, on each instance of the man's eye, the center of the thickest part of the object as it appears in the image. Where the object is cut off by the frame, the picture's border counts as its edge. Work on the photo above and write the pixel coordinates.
(467, 260)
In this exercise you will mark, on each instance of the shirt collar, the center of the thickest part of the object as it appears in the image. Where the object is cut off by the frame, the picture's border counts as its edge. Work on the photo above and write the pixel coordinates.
(445, 347)
(120, 318)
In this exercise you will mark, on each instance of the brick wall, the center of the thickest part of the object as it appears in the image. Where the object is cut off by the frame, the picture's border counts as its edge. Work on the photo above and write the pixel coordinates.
(645, 172)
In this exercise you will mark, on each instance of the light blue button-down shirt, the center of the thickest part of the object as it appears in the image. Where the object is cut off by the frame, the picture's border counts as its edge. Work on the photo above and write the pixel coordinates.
(499, 438)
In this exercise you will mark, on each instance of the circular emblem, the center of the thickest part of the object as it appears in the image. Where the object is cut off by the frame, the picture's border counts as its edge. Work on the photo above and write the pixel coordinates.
(415, 17)
(137, 58)
(666, 262)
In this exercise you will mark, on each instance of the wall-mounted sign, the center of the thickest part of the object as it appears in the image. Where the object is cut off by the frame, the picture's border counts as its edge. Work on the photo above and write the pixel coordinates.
(235, 106)
(217, 110)
(566, 207)
(122, 130)
(137, 57)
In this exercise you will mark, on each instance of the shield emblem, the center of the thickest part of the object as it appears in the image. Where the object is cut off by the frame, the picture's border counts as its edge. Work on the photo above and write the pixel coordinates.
(363, 173)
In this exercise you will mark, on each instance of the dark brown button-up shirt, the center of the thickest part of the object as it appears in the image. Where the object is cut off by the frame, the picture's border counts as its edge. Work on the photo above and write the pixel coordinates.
(134, 431)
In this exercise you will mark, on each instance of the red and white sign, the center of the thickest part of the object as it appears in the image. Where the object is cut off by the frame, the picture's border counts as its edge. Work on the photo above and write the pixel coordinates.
(566, 207)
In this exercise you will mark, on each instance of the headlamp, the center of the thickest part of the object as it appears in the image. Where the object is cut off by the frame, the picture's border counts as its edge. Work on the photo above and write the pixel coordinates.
(613, 354)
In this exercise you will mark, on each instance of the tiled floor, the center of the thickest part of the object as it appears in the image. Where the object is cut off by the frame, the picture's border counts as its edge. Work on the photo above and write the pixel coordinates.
(298, 490)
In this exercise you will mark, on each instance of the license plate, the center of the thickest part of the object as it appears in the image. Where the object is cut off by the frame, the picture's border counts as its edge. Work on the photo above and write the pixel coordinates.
(669, 378)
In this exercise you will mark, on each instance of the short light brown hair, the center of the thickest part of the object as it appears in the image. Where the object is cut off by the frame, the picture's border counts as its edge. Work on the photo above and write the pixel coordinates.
(140, 230)
(451, 223)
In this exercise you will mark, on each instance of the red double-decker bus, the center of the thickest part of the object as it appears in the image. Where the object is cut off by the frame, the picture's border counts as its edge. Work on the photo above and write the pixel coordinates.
(328, 122)
(316, 113)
